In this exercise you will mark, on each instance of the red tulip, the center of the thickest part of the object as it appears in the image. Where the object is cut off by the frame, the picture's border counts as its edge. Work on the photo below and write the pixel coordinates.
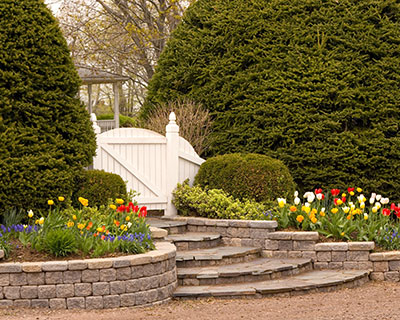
(350, 190)
(386, 212)
(121, 208)
(317, 191)
(335, 192)
(143, 212)
(344, 199)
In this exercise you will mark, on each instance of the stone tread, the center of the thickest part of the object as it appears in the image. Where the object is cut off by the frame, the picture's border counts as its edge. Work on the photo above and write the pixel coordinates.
(193, 237)
(161, 223)
(217, 253)
(254, 267)
(302, 282)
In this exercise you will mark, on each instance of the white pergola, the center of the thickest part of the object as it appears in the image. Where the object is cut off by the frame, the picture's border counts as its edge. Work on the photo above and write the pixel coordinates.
(91, 75)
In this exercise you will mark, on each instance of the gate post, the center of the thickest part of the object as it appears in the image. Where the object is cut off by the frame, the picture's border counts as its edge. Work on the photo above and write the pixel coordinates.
(172, 157)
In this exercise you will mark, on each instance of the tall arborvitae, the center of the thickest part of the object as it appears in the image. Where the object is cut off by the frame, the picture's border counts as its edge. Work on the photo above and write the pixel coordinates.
(315, 83)
(46, 137)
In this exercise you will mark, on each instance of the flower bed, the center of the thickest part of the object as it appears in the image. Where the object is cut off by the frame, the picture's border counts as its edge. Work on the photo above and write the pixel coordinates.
(85, 231)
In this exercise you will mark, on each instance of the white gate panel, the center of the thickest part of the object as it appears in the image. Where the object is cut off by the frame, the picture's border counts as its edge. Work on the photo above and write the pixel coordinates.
(150, 163)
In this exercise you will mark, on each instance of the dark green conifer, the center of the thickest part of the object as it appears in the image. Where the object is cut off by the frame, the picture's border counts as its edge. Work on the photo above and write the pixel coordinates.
(315, 83)
(46, 137)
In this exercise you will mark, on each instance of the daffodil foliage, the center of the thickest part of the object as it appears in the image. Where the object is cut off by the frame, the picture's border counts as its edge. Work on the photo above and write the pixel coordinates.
(313, 83)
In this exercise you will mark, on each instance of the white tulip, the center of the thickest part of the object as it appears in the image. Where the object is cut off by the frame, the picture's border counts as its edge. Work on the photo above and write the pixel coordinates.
(378, 197)
(385, 200)
(296, 194)
(322, 209)
(296, 201)
(378, 205)
(319, 196)
(307, 204)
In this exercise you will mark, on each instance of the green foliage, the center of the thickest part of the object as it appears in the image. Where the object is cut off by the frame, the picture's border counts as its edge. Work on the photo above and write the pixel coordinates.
(246, 176)
(349, 217)
(87, 231)
(46, 136)
(98, 187)
(124, 121)
(215, 203)
(313, 83)
(60, 242)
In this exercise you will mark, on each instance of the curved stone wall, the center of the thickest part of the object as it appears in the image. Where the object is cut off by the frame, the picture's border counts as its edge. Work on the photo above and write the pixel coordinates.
(125, 281)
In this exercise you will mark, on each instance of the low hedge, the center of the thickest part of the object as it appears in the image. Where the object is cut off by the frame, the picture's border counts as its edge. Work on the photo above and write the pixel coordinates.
(98, 187)
(215, 203)
(247, 176)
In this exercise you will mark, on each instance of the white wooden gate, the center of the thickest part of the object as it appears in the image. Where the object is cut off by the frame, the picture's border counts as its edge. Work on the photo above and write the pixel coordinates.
(150, 163)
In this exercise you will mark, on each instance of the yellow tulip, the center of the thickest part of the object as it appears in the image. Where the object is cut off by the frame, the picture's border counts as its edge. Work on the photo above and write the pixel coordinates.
(61, 199)
(119, 201)
(41, 220)
(74, 217)
(113, 206)
(322, 214)
(334, 210)
(359, 190)
(339, 202)
(365, 217)
(300, 218)
(346, 210)
(30, 213)
(374, 209)
(314, 220)
(50, 202)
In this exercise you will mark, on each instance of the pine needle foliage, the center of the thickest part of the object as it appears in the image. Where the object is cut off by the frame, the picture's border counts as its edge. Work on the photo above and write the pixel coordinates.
(314, 83)
(46, 137)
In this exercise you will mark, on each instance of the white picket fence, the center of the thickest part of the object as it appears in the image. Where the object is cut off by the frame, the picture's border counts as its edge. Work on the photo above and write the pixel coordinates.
(151, 164)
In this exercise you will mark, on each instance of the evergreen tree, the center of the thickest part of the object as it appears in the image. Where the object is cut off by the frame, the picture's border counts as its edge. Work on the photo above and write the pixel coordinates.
(314, 83)
(46, 137)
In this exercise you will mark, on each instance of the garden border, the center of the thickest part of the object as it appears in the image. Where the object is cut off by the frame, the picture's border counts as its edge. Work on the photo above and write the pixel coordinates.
(134, 280)
(385, 266)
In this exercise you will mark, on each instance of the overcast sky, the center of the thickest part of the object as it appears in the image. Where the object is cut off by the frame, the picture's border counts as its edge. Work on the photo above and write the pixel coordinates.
(53, 4)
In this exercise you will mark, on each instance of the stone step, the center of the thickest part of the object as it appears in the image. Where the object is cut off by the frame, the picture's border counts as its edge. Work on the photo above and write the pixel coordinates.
(216, 256)
(312, 281)
(256, 270)
(195, 240)
(172, 226)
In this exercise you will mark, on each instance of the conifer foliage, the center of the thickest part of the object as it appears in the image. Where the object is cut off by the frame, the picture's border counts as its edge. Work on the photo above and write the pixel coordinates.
(46, 137)
(315, 83)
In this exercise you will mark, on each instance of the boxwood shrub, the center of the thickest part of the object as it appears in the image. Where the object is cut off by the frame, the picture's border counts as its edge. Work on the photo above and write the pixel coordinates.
(247, 176)
(98, 187)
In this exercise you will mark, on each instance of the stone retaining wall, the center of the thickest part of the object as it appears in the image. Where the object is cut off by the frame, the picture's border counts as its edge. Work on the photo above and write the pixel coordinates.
(93, 283)
(245, 233)
(301, 244)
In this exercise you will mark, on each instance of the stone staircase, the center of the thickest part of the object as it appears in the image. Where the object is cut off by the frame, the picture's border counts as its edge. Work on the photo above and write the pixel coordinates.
(208, 268)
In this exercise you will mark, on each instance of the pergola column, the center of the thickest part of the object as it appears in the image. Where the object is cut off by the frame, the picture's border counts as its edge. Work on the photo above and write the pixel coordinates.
(89, 89)
(116, 104)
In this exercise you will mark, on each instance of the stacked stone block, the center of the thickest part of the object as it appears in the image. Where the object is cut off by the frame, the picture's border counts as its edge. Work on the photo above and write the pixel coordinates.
(386, 266)
(91, 284)
(241, 233)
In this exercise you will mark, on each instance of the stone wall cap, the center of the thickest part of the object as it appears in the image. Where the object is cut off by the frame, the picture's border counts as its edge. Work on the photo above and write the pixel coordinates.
(55, 266)
(263, 224)
(280, 235)
(361, 245)
(332, 246)
(158, 233)
(305, 235)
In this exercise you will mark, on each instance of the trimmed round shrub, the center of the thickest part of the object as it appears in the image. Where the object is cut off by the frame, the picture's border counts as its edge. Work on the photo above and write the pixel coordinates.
(46, 137)
(98, 187)
(313, 83)
(247, 176)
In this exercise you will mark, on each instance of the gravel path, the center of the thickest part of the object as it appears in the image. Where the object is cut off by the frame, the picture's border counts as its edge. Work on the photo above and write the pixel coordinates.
(375, 300)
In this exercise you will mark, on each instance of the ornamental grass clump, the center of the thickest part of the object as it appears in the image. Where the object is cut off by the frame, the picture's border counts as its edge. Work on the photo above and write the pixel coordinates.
(347, 215)
(86, 231)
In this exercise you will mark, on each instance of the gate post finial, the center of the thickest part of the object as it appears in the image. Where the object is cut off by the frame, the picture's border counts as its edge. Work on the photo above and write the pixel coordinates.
(172, 154)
